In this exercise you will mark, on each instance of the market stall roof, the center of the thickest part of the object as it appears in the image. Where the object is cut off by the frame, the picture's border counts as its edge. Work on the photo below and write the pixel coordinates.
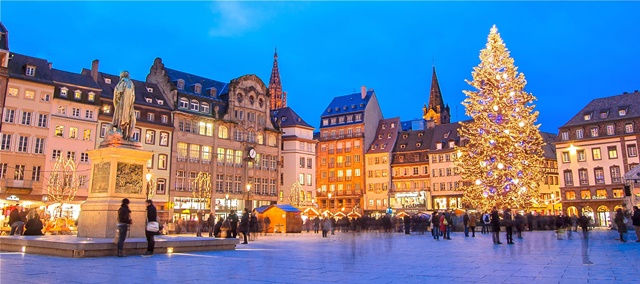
(340, 214)
(354, 214)
(327, 212)
(262, 208)
(285, 208)
(311, 210)
(633, 174)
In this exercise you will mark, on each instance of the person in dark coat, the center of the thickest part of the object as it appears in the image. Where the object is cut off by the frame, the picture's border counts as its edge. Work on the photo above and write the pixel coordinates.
(244, 225)
(435, 221)
(407, 224)
(253, 225)
(217, 228)
(34, 226)
(316, 224)
(636, 221)
(495, 225)
(124, 221)
(622, 227)
(465, 222)
(211, 221)
(15, 221)
(152, 216)
(584, 224)
(233, 221)
(519, 223)
(508, 225)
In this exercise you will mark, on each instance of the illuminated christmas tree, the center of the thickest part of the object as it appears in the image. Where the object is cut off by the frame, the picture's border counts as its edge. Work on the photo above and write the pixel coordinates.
(502, 161)
(63, 182)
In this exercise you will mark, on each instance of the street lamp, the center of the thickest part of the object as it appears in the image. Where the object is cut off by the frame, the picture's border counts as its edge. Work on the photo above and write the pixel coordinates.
(248, 196)
(150, 191)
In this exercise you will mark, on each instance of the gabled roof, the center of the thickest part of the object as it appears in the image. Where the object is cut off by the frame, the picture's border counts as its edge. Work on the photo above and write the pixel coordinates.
(62, 76)
(629, 102)
(142, 93)
(414, 140)
(548, 147)
(262, 208)
(386, 136)
(352, 103)
(444, 133)
(74, 82)
(288, 118)
(190, 80)
(19, 62)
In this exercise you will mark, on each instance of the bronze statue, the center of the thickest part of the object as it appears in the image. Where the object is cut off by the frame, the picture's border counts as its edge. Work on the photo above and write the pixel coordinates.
(124, 96)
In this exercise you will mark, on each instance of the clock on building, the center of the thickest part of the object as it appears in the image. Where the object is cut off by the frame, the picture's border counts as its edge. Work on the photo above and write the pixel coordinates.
(252, 153)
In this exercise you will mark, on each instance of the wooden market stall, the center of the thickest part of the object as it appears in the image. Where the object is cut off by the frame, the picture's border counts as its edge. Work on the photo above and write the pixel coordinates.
(284, 218)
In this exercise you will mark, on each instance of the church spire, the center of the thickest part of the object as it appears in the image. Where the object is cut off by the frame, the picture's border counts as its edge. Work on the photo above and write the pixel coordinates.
(436, 110)
(278, 98)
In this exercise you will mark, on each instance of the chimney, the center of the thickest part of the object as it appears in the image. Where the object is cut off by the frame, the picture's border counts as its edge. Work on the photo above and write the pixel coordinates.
(94, 69)
(431, 124)
(363, 91)
(50, 65)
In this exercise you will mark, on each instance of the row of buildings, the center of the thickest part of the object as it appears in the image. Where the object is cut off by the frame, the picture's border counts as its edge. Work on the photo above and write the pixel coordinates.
(258, 151)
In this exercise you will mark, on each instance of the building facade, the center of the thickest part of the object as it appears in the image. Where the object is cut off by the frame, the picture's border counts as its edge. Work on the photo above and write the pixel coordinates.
(594, 151)
(25, 128)
(4, 66)
(445, 176)
(411, 189)
(378, 159)
(225, 130)
(347, 128)
(298, 156)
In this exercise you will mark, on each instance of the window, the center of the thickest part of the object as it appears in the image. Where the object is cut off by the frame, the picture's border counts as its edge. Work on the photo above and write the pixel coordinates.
(182, 150)
(197, 88)
(77, 95)
(83, 181)
(103, 130)
(613, 152)
(599, 175)
(31, 71)
(632, 151)
(63, 92)
(568, 177)
(237, 135)
(35, 173)
(13, 92)
(91, 97)
(587, 117)
(302, 160)
(162, 186)
(628, 128)
(180, 84)
(622, 112)
(162, 162)
(595, 152)
(106, 108)
(194, 152)
(618, 193)
(42, 120)
(56, 154)
(75, 112)
(581, 156)
(150, 137)
(579, 133)
(38, 146)
(195, 105)
(184, 103)
(164, 118)
(205, 107)
(570, 195)
(151, 116)
(206, 154)
(610, 129)
(26, 118)
(9, 115)
(62, 110)
(84, 157)
(164, 138)
(107, 80)
(18, 174)
(272, 140)
(223, 133)
(46, 97)
(71, 155)
(615, 173)
(59, 132)
(23, 142)
(148, 100)
(594, 132)
(73, 132)
(583, 176)
(88, 114)
(137, 114)
(585, 194)
(3, 170)
(29, 95)
(86, 135)
(565, 157)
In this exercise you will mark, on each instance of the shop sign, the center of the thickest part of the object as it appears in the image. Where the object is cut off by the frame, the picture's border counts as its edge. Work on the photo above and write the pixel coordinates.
(411, 194)
(13, 198)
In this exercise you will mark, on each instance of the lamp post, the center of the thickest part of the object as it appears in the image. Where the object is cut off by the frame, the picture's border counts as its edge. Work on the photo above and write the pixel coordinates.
(329, 201)
(150, 191)
(248, 205)
(553, 204)
(227, 204)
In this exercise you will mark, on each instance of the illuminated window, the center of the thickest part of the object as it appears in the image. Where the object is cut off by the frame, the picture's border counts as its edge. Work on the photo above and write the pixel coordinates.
(570, 195)
(30, 95)
(585, 194)
(59, 130)
(595, 152)
(77, 95)
(613, 152)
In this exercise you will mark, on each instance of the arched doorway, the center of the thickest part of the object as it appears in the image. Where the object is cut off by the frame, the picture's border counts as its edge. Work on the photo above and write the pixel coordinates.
(604, 216)
(572, 210)
(588, 211)
(618, 206)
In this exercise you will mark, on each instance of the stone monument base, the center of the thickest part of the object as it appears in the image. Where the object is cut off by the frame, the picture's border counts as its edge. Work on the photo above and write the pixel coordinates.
(99, 218)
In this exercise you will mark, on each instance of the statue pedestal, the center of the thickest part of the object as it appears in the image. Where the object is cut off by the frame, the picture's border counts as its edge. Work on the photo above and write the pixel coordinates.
(117, 172)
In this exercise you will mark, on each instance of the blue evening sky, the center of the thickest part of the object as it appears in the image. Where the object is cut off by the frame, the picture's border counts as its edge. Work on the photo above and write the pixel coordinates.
(570, 52)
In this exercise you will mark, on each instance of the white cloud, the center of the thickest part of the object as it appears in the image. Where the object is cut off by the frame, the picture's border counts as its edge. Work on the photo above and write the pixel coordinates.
(231, 18)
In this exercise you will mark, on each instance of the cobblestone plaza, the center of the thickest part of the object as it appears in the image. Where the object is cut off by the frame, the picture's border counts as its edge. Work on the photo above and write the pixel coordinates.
(356, 258)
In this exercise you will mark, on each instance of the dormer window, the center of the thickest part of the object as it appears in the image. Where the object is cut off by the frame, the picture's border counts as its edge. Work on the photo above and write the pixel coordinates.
(30, 71)
(337, 109)
(149, 90)
(384, 126)
(393, 125)
(452, 144)
(379, 136)
(404, 136)
(77, 95)
(603, 115)
(403, 146)
(383, 146)
(197, 88)
(418, 144)
(213, 92)
(160, 102)
(184, 103)
(358, 117)
(622, 112)
(284, 118)
(341, 119)
(107, 80)
(439, 146)
(587, 116)
(180, 84)
(205, 107)
(91, 97)
(419, 134)
(195, 106)
(353, 106)
(329, 110)
(345, 107)
(63, 92)
(148, 100)
(389, 135)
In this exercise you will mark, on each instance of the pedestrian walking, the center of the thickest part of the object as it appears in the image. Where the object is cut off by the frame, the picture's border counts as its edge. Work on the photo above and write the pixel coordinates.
(244, 225)
(508, 225)
(435, 222)
(495, 225)
(636, 221)
(465, 223)
(152, 216)
(407, 224)
(326, 226)
(233, 221)
(266, 221)
(253, 226)
(211, 222)
(199, 224)
(316, 224)
(472, 224)
(519, 224)
(584, 224)
(486, 222)
(621, 224)
(124, 221)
